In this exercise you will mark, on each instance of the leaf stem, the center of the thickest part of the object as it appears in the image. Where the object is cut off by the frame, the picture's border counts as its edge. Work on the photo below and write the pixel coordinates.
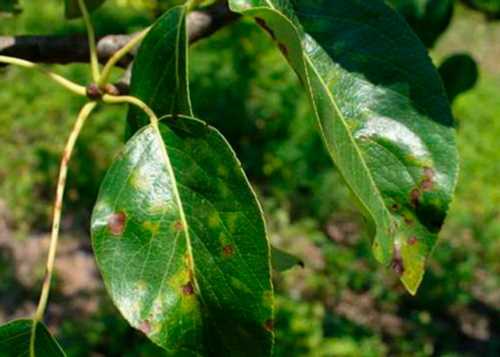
(118, 55)
(66, 83)
(111, 99)
(54, 237)
(94, 64)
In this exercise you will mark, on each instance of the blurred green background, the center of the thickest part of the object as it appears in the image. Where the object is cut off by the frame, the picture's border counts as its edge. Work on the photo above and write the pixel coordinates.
(342, 303)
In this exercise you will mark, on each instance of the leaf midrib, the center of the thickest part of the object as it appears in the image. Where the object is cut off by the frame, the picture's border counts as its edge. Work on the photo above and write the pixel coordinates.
(341, 117)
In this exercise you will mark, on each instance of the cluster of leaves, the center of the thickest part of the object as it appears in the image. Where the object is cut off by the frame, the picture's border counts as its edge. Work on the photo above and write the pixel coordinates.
(177, 231)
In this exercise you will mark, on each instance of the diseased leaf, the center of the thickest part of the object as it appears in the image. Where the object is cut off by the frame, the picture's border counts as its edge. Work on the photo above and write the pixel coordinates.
(381, 111)
(9, 6)
(180, 240)
(15, 340)
(428, 18)
(159, 76)
(72, 9)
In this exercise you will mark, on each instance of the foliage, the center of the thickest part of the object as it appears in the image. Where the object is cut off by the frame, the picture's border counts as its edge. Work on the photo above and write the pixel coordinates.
(427, 18)
(299, 179)
(392, 174)
(15, 339)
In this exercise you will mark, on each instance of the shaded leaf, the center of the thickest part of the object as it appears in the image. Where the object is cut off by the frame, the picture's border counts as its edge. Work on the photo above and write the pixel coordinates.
(282, 261)
(10, 6)
(15, 340)
(459, 73)
(428, 18)
(490, 8)
(159, 76)
(382, 113)
(180, 240)
(72, 9)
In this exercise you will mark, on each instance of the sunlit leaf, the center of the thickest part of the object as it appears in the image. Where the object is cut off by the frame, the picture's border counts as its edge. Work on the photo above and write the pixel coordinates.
(159, 76)
(72, 9)
(15, 340)
(382, 113)
(180, 240)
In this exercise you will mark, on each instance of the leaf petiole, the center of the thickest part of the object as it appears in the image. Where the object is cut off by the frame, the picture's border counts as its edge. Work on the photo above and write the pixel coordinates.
(94, 63)
(111, 99)
(117, 56)
(54, 236)
(66, 83)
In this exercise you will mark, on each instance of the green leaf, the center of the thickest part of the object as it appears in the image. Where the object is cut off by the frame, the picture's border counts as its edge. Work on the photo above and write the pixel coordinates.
(180, 240)
(9, 6)
(428, 18)
(382, 113)
(488, 7)
(15, 340)
(459, 73)
(72, 9)
(282, 261)
(159, 76)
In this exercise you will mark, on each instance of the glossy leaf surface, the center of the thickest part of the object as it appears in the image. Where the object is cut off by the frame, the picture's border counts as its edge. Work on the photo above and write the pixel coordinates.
(181, 243)
(159, 76)
(428, 18)
(15, 340)
(72, 9)
(382, 113)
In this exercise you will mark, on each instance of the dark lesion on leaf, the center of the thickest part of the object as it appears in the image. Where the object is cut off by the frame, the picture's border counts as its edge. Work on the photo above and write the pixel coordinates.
(116, 223)
(262, 23)
(188, 288)
(283, 49)
(269, 325)
(228, 250)
(145, 327)
(178, 226)
(395, 207)
(412, 240)
(397, 262)
(415, 197)
(408, 221)
(427, 182)
(430, 213)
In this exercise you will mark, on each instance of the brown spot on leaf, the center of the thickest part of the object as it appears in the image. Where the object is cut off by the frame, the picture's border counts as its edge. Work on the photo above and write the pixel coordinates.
(145, 327)
(427, 183)
(188, 288)
(283, 49)
(228, 250)
(395, 207)
(397, 266)
(415, 197)
(412, 240)
(408, 221)
(269, 325)
(262, 23)
(116, 223)
(397, 262)
(178, 226)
